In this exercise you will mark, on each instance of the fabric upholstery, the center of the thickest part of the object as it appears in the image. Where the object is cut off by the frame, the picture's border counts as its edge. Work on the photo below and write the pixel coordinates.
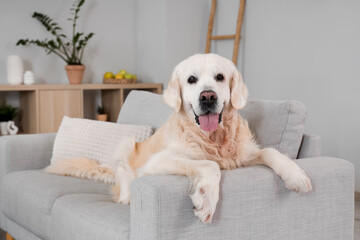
(93, 139)
(18, 232)
(277, 124)
(310, 146)
(27, 197)
(142, 107)
(21, 152)
(254, 204)
(90, 216)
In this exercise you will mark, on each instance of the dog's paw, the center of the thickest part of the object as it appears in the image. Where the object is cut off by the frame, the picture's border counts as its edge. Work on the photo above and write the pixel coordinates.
(205, 193)
(298, 181)
(120, 197)
(205, 199)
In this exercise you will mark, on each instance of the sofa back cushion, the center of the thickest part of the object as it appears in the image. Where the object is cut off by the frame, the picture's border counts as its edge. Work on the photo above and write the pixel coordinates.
(276, 124)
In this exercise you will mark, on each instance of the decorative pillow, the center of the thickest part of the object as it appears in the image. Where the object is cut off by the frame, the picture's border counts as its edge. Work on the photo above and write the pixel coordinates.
(277, 124)
(93, 139)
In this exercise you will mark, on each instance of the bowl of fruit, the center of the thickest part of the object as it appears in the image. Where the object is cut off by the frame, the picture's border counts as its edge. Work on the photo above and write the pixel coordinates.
(121, 77)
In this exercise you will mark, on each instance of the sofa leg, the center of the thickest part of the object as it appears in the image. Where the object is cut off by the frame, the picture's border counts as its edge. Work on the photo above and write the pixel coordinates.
(9, 237)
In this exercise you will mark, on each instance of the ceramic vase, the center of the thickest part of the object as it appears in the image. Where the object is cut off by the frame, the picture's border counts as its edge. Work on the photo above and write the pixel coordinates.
(15, 70)
(8, 127)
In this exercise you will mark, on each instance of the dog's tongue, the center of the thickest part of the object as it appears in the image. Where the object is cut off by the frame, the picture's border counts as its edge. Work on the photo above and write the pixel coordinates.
(209, 122)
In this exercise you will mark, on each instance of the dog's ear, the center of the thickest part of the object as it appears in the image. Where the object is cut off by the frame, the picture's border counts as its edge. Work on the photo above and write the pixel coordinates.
(238, 91)
(172, 95)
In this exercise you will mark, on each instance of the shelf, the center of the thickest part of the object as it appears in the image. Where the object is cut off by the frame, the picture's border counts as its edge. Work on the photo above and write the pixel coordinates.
(43, 106)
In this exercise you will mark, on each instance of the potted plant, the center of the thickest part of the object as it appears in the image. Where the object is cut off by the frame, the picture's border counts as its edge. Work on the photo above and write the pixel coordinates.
(7, 125)
(70, 50)
(101, 116)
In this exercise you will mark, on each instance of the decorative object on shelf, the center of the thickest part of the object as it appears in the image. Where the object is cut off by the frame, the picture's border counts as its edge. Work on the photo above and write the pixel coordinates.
(70, 50)
(122, 77)
(29, 78)
(101, 116)
(15, 70)
(7, 125)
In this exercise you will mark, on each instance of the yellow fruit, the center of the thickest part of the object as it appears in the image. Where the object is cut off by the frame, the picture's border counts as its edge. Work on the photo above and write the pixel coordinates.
(119, 76)
(122, 72)
(108, 75)
(134, 76)
(128, 76)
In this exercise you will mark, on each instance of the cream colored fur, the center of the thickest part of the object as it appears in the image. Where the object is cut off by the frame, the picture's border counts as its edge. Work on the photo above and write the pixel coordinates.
(181, 147)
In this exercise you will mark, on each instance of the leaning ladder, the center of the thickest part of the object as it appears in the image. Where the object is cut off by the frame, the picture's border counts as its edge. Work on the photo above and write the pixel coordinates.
(235, 36)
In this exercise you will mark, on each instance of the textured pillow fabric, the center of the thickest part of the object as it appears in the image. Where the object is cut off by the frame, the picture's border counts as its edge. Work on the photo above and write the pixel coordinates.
(93, 139)
(277, 124)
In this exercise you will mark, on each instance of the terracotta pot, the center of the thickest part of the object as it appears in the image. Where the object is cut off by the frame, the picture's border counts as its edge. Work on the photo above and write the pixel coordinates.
(102, 117)
(75, 73)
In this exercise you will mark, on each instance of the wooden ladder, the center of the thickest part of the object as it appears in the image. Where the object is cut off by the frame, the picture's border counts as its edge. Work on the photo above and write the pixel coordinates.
(235, 36)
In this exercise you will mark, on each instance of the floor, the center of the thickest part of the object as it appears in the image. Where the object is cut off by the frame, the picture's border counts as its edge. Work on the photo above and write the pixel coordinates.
(357, 224)
(357, 221)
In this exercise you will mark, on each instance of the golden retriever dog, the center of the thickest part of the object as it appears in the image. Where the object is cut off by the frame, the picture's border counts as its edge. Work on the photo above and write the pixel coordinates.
(204, 135)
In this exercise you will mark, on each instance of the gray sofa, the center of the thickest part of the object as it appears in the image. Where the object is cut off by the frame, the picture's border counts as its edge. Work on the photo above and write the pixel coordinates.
(254, 204)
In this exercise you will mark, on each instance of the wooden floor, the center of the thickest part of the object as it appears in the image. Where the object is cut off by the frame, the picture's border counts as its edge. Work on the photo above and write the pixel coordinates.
(356, 226)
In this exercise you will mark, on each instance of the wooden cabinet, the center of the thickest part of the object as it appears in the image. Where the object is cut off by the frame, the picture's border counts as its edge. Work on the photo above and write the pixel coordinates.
(42, 107)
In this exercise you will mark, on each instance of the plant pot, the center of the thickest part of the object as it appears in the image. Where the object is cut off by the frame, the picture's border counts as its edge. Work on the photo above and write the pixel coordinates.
(75, 73)
(102, 117)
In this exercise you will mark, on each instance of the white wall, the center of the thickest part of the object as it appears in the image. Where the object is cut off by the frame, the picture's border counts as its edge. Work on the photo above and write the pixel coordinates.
(309, 51)
(303, 50)
(111, 49)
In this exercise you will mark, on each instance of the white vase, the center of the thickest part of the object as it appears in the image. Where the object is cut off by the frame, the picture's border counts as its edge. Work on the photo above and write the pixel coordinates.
(15, 70)
(3, 128)
(29, 78)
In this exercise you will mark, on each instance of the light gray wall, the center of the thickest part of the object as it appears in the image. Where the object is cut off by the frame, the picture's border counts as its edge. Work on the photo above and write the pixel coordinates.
(111, 49)
(309, 51)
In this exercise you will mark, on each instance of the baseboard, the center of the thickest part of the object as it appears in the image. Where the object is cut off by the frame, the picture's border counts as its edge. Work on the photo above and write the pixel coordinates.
(357, 197)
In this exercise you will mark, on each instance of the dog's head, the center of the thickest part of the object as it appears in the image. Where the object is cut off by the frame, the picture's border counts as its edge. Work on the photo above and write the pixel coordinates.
(202, 86)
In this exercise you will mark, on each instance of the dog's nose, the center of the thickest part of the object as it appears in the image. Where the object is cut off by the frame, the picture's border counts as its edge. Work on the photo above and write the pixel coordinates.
(208, 98)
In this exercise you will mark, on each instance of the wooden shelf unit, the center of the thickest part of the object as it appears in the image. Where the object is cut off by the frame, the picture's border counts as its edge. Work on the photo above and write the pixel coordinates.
(42, 107)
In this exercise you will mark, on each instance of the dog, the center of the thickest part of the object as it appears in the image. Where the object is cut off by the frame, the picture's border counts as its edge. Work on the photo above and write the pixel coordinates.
(205, 134)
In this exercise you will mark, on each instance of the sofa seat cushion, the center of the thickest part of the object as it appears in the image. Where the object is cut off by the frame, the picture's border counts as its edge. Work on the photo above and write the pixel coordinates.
(27, 197)
(89, 216)
(276, 124)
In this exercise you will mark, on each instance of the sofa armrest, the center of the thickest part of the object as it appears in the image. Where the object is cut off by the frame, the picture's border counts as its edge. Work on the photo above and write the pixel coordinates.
(310, 146)
(25, 152)
(254, 204)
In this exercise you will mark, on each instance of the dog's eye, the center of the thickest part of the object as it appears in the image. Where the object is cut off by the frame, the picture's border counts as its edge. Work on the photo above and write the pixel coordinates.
(192, 79)
(219, 77)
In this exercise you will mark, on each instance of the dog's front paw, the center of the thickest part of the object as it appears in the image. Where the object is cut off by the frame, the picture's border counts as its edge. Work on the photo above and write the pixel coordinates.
(205, 192)
(205, 199)
(298, 181)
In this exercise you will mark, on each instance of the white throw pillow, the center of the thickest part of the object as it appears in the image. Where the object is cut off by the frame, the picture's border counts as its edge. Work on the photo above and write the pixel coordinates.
(93, 139)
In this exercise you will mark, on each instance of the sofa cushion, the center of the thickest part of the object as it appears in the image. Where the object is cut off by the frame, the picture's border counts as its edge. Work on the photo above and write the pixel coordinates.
(27, 197)
(144, 108)
(277, 124)
(89, 216)
(93, 139)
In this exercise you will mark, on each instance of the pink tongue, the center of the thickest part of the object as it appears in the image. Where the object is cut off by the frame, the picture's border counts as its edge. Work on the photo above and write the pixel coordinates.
(209, 122)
